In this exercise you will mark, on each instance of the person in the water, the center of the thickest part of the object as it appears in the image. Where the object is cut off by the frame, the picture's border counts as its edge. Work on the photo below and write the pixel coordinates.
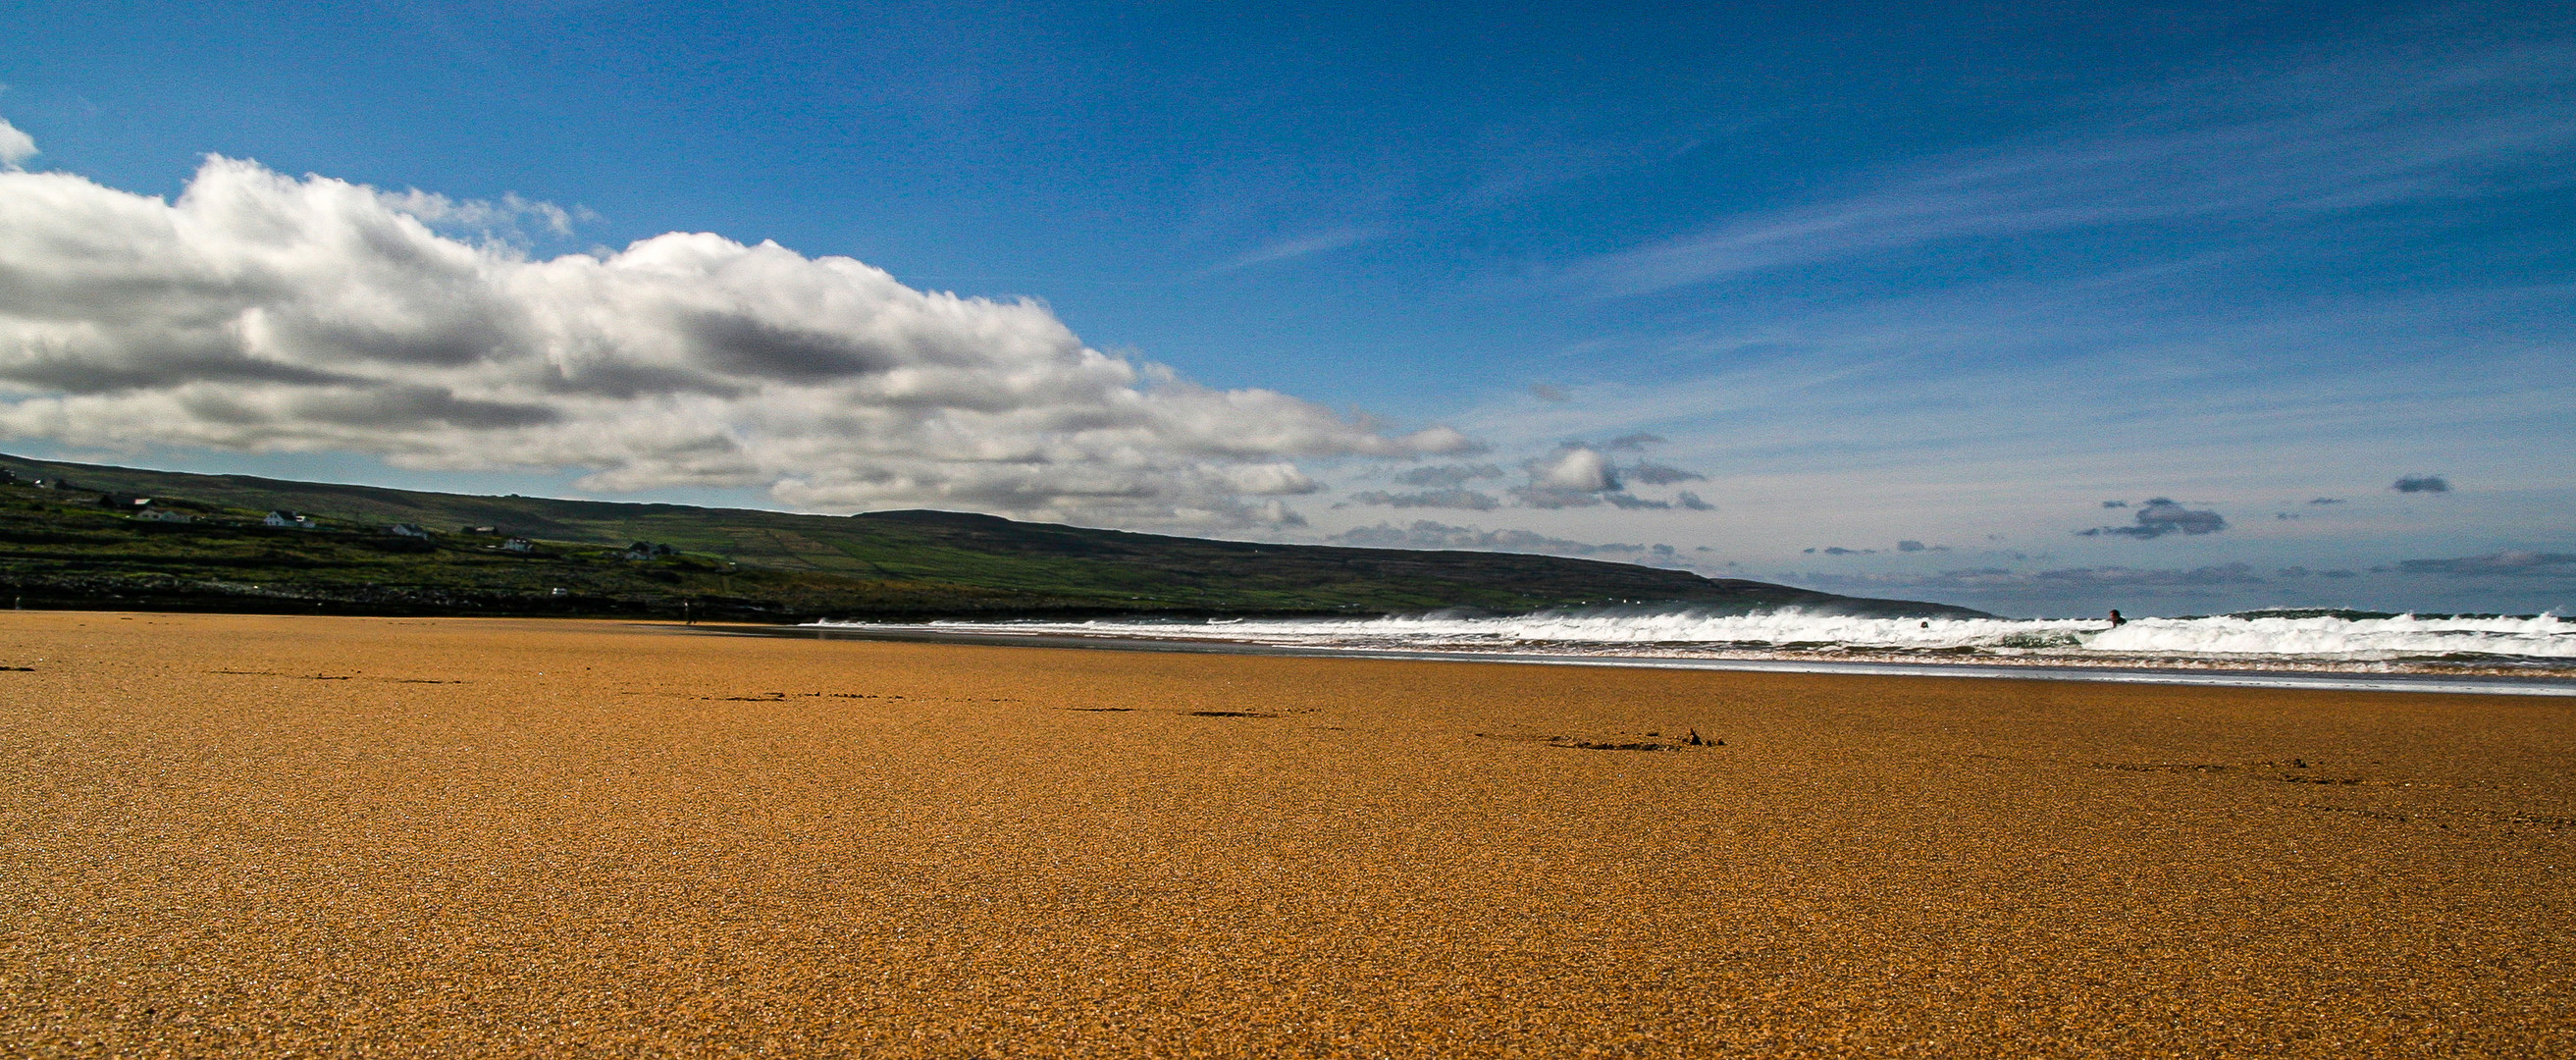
(2116, 620)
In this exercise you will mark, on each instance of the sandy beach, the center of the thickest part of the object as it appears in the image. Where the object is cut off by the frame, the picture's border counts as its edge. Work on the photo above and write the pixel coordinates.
(259, 836)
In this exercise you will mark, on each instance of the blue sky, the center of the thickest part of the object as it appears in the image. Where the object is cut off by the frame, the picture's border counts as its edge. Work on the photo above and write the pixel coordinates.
(1844, 277)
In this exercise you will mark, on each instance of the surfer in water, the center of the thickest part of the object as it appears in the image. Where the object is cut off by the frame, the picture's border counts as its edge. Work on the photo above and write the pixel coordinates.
(2116, 620)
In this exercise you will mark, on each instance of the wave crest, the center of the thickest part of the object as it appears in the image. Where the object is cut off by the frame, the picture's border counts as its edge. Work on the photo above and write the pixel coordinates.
(2545, 640)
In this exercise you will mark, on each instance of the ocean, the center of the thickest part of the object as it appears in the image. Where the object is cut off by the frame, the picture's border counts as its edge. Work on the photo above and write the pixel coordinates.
(2288, 648)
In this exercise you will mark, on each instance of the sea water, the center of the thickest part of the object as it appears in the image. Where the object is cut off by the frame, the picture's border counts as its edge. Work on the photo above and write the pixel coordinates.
(2540, 645)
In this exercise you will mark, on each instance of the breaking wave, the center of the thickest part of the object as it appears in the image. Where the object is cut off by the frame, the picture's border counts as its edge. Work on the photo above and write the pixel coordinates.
(2327, 640)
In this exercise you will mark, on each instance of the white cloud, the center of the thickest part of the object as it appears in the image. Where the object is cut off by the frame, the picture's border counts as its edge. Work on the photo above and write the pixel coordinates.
(1574, 469)
(1576, 477)
(15, 145)
(264, 313)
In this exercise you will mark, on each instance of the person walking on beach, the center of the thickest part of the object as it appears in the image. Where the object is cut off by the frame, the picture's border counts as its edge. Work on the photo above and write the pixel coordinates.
(2116, 620)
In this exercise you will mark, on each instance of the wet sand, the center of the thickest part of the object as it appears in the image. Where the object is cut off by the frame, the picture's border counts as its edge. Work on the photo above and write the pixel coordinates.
(255, 835)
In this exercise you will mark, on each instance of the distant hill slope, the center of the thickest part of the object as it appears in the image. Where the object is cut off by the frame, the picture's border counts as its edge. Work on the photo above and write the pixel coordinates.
(60, 546)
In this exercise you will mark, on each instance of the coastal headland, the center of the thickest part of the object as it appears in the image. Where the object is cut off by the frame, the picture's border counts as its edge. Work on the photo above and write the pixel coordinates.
(256, 835)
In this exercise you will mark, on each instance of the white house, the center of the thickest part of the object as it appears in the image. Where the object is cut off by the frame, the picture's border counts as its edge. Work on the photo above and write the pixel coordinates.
(164, 515)
(518, 544)
(290, 520)
(407, 530)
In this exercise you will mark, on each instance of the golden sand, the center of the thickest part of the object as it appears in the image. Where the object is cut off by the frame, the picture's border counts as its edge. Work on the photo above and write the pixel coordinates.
(373, 837)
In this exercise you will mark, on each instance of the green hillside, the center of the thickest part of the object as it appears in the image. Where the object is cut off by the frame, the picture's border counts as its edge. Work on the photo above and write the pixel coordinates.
(59, 546)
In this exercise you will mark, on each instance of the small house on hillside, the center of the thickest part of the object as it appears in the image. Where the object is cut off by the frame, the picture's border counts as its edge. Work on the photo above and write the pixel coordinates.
(518, 544)
(407, 530)
(163, 515)
(290, 521)
(644, 550)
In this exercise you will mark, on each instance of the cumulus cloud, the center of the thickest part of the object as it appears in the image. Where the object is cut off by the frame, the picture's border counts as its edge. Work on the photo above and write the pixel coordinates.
(2162, 516)
(1690, 501)
(2422, 484)
(259, 312)
(1581, 475)
(1469, 500)
(1425, 534)
(2500, 564)
(1572, 478)
(15, 146)
(1575, 469)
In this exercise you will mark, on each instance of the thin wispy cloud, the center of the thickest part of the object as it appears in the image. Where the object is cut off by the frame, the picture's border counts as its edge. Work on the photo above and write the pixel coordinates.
(1462, 499)
(1299, 247)
(1996, 406)
(1999, 578)
(1520, 158)
(2337, 137)
(2498, 565)
(1426, 534)
(1654, 474)
(1447, 475)
(2017, 385)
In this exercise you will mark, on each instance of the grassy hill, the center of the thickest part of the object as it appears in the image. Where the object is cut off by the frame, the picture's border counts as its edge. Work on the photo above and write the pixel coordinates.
(60, 547)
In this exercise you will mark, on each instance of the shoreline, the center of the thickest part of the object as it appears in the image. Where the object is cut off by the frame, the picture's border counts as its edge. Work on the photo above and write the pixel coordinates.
(2107, 672)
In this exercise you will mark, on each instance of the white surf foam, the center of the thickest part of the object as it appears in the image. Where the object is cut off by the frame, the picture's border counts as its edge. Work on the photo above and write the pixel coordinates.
(2545, 641)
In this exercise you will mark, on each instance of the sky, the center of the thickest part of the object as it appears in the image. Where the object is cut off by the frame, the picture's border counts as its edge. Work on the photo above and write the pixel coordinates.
(2176, 308)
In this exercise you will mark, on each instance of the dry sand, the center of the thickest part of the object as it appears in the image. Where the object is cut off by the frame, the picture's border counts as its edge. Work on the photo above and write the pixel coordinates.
(361, 837)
